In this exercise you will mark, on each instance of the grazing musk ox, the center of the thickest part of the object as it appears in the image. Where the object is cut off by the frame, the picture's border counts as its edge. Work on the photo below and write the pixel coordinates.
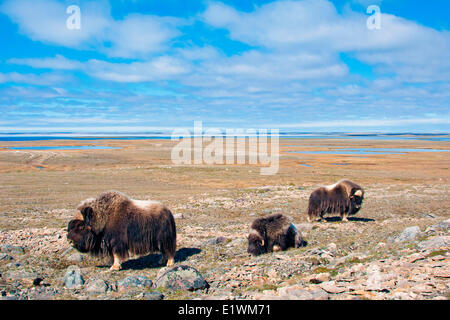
(344, 197)
(273, 233)
(116, 226)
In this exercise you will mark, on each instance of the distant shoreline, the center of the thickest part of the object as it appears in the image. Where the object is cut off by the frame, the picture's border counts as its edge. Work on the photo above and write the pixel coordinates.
(283, 135)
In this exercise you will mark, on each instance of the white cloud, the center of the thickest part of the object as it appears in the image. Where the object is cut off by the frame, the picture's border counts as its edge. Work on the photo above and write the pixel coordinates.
(138, 35)
(45, 79)
(45, 21)
(365, 123)
(58, 62)
(162, 68)
(413, 51)
(133, 36)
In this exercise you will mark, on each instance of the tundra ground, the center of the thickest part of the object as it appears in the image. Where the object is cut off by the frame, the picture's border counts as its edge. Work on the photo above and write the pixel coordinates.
(214, 206)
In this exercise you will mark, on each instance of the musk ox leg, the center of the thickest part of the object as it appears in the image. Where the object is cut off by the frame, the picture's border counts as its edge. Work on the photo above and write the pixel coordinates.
(276, 248)
(344, 217)
(167, 259)
(116, 264)
(171, 260)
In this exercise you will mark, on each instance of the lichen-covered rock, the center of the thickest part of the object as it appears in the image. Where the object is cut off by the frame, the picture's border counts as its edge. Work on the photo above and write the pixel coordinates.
(98, 286)
(181, 278)
(441, 226)
(133, 282)
(8, 248)
(408, 234)
(5, 257)
(73, 278)
(435, 243)
(154, 295)
(21, 275)
(75, 257)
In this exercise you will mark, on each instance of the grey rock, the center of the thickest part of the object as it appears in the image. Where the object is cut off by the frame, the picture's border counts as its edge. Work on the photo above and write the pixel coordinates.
(217, 240)
(75, 257)
(98, 286)
(67, 251)
(73, 278)
(5, 257)
(9, 297)
(332, 248)
(441, 226)
(297, 293)
(133, 282)
(408, 234)
(8, 248)
(21, 274)
(14, 265)
(181, 278)
(373, 278)
(155, 295)
(43, 294)
(435, 243)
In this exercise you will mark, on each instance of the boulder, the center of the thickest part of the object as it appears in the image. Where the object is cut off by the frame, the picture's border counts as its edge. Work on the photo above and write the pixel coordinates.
(181, 278)
(73, 278)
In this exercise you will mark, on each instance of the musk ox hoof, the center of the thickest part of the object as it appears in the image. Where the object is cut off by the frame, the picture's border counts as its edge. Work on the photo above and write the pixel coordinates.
(115, 267)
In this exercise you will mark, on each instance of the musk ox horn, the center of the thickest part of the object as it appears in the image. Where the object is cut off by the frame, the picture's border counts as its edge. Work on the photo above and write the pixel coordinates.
(358, 193)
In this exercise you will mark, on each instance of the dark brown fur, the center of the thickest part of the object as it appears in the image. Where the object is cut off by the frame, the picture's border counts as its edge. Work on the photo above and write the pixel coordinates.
(340, 199)
(273, 231)
(114, 224)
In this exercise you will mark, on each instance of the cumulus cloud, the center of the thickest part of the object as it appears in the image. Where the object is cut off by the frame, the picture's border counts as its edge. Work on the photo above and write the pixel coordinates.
(45, 21)
(133, 36)
(413, 51)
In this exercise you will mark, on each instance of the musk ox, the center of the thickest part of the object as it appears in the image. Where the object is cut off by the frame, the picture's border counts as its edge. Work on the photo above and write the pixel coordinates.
(116, 226)
(273, 233)
(344, 197)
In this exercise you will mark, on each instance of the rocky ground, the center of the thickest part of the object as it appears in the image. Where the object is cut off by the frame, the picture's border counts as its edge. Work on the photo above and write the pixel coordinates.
(396, 247)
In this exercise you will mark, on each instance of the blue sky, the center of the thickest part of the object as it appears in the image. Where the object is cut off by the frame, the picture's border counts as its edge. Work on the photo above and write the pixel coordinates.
(309, 65)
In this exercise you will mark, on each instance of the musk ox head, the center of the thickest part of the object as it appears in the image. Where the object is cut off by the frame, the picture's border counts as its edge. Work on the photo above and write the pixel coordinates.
(256, 245)
(82, 238)
(357, 199)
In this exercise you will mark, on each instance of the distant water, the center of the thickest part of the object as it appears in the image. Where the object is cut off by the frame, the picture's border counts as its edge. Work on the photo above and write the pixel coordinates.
(62, 148)
(46, 138)
(369, 151)
(305, 165)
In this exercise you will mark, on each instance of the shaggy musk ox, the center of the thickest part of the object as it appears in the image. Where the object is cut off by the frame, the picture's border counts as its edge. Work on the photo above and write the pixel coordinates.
(273, 233)
(344, 197)
(116, 226)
